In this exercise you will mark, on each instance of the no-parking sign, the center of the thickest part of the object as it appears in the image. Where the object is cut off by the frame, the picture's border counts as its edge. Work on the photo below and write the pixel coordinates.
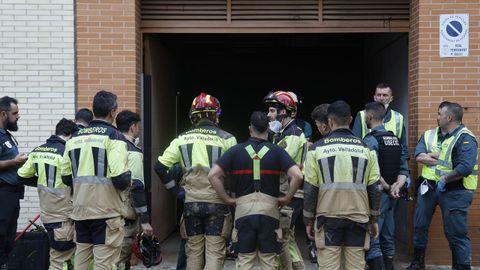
(454, 35)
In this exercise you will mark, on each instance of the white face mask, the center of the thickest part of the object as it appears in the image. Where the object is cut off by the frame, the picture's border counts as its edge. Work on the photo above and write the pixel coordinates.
(424, 187)
(275, 126)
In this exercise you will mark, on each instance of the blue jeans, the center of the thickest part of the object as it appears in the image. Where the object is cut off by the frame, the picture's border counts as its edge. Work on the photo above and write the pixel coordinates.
(385, 243)
(455, 205)
(424, 210)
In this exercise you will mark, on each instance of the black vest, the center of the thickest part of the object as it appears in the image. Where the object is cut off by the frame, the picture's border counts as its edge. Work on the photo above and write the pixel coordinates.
(389, 153)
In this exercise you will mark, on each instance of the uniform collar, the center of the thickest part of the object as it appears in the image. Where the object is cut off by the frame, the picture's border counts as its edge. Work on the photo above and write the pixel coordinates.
(100, 122)
(379, 128)
(287, 126)
(256, 140)
(455, 131)
(341, 131)
(206, 122)
(55, 139)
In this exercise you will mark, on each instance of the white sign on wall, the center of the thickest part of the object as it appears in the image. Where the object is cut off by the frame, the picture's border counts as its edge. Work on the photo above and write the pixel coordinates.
(454, 35)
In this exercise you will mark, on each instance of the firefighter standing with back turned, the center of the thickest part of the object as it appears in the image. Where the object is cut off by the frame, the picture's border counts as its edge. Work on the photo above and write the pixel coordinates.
(43, 170)
(207, 218)
(341, 193)
(254, 167)
(95, 163)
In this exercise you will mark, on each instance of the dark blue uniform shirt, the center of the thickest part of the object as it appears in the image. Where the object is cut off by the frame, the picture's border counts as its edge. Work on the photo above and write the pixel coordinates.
(357, 130)
(372, 143)
(238, 163)
(8, 151)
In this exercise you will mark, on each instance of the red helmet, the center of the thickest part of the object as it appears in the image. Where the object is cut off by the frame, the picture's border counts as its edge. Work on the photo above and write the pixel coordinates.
(205, 103)
(147, 249)
(283, 99)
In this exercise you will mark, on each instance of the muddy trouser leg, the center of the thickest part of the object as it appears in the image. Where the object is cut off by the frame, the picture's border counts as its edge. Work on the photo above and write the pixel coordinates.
(131, 230)
(193, 216)
(218, 227)
(268, 261)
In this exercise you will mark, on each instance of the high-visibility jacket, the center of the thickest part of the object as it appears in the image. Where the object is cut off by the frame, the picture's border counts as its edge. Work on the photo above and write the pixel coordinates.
(43, 166)
(197, 150)
(395, 124)
(136, 203)
(431, 145)
(292, 139)
(95, 160)
(445, 164)
(338, 172)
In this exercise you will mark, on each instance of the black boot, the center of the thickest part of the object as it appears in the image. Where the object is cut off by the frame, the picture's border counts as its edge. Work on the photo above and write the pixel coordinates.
(463, 267)
(418, 262)
(375, 263)
(454, 261)
(388, 263)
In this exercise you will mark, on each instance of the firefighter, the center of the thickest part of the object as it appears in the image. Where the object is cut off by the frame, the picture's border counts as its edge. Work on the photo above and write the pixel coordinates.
(137, 216)
(95, 164)
(254, 167)
(341, 193)
(394, 173)
(282, 108)
(42, 170)
(207, 218)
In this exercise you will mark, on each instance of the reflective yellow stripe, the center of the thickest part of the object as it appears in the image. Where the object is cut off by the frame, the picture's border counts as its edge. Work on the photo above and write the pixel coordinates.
(256, 157)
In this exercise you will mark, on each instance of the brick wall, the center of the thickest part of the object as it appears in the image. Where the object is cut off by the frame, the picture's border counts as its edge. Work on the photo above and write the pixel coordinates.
(109, 54)
(37, 67)
(433, 79)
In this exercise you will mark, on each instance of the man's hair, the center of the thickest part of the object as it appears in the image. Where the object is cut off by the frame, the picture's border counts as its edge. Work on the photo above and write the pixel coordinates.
(443, 104)
(84, 115)
(339, 111)
(377, 109)
(125, 119)
(65, 127)
(383, 85)
(259, 121)
(103, 103)
(455, 110)
(319, 113)
(6, 103)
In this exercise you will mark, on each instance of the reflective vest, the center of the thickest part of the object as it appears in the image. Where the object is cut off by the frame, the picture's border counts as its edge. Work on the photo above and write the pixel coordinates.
(342, 167)
(197, 150)
(430, 138)
(55, 197)
(93, 156)
(395, 124)
(445, 165)
(389, 153)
